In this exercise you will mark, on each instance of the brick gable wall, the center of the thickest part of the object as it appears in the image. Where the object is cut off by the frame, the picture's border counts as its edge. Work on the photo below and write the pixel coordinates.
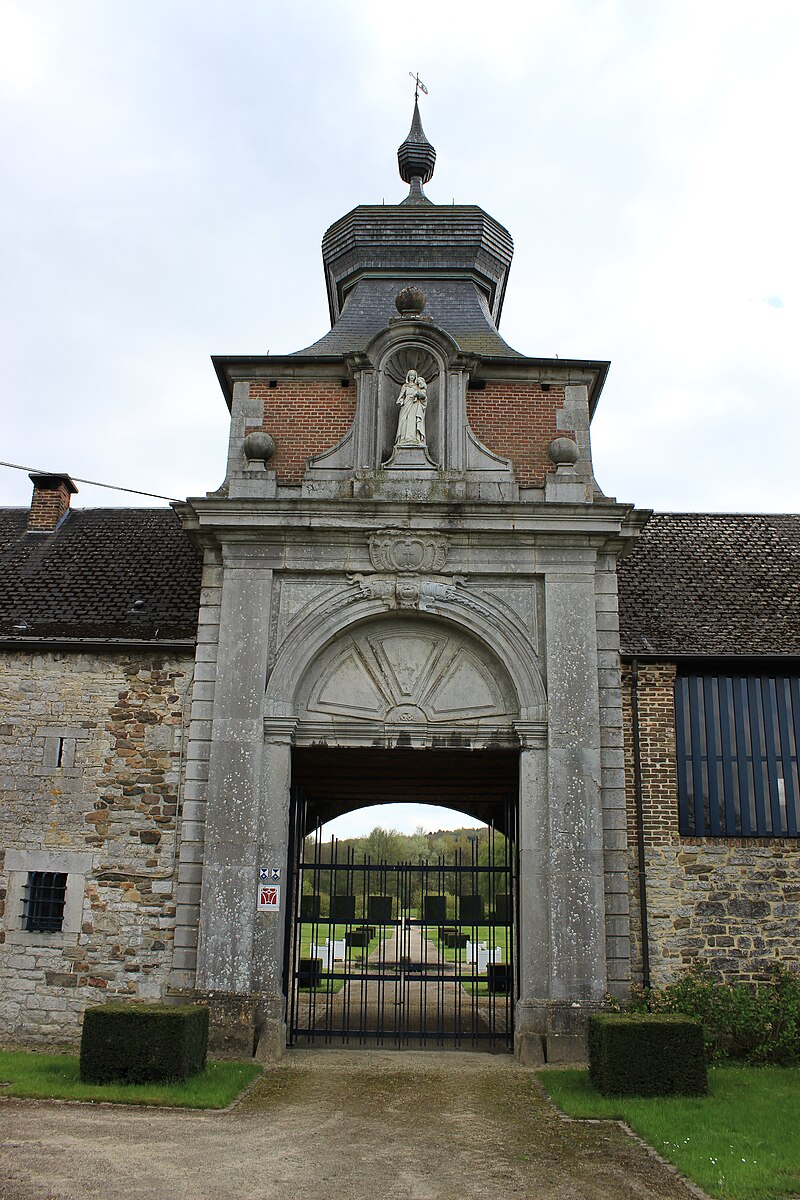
(304, 417)
(518, 421)
(514, 420)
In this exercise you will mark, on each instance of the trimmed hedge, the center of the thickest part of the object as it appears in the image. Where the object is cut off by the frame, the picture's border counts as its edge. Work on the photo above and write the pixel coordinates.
(646, 1054)
(143, 1043)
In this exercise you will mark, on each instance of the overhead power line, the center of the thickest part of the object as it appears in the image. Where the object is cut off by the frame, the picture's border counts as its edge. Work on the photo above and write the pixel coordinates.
(114, 487)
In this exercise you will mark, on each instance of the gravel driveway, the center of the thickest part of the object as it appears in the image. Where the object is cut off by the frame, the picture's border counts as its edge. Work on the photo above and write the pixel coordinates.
(334, 1124)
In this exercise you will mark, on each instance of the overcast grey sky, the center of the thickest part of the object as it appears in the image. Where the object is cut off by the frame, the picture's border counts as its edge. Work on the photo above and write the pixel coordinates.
(171, 166)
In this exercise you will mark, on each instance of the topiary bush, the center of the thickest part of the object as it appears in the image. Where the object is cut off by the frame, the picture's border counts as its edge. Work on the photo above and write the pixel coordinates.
(143, 1043)
(756, 1024)
(646, 1054)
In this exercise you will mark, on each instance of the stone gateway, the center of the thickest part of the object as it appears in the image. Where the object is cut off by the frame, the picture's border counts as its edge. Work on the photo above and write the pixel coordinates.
(406, 588)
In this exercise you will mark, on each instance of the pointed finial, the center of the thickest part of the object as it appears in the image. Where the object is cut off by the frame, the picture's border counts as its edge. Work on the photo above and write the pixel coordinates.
(416, 157)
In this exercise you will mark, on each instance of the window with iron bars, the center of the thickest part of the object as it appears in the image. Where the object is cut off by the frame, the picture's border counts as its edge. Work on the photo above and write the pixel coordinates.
(44, 897)
(737, 739)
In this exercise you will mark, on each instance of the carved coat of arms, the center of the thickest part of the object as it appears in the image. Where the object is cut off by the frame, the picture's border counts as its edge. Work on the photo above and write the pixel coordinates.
(407, 552)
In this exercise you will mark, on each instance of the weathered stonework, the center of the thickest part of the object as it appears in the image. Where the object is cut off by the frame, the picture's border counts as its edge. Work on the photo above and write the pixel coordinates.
(108, 820)
(733, 903)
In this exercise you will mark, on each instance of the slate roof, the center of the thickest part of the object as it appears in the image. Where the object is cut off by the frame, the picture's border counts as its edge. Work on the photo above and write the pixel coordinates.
(457, 306)
(702, 584)
(83, 580)
(712, 584)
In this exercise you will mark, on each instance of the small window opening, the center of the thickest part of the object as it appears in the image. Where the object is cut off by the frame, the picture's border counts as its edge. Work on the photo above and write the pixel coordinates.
(43, 901)
(60, 752)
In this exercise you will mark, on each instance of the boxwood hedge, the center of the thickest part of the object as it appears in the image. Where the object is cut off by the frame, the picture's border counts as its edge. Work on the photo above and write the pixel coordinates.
(143, 1043)
(646, 1054)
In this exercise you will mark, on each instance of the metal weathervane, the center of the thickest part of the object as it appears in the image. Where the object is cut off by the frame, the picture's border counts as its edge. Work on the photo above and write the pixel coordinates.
(419, 86)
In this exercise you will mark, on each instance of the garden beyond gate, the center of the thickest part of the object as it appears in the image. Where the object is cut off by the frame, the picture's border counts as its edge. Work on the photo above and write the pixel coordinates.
(404, 955)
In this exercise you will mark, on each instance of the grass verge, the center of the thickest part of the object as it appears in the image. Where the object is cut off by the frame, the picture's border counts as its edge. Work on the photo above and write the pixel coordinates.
(738, 1143)
(55, 1077)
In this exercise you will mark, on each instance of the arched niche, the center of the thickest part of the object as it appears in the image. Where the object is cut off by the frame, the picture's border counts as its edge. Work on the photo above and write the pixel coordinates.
(391, 377)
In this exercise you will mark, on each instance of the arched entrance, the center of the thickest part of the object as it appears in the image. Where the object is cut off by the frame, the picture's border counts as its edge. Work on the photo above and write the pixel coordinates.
(403, 949)
(409, 707)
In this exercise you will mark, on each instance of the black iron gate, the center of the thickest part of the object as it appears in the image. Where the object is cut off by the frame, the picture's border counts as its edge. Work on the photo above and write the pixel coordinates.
(407, 954)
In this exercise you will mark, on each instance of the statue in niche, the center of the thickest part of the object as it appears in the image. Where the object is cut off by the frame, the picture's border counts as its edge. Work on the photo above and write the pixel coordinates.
(413, 401)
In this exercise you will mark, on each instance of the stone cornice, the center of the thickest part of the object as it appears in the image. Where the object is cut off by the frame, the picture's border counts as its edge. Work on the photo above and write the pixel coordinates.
(304, 517)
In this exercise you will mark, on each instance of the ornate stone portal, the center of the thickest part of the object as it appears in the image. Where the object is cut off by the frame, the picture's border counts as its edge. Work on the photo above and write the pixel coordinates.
(401, 586)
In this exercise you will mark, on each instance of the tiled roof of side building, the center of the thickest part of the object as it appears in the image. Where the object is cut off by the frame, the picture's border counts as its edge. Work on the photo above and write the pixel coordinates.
(703, 584)
(712, 584)
(105, 574)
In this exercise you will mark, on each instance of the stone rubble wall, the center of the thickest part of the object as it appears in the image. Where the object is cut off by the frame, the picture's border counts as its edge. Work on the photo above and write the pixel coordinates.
(733, 903)
(117, 719)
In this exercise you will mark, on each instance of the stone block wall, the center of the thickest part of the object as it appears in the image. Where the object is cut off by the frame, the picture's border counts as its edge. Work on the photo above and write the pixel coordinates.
(733, 903)
(615, 859)
(90, 777)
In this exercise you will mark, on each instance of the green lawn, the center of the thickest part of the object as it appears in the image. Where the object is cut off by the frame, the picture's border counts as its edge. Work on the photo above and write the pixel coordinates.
(55, 1077)
(317, 932)
(741, 1142)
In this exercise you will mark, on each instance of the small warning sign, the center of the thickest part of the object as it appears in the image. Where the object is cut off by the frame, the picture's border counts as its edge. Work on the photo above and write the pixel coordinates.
(269, 897)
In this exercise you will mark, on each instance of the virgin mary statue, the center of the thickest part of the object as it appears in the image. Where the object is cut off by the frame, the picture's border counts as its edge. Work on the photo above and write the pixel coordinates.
(413, 401)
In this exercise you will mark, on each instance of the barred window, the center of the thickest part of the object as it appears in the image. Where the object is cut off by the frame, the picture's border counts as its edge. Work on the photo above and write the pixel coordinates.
(736, 740)
(44, 896)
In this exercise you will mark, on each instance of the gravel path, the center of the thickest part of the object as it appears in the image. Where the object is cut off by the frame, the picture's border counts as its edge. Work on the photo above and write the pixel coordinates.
(334, 1125)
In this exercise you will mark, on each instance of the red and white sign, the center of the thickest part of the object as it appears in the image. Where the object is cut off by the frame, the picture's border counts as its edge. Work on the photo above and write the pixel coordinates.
(269, 897)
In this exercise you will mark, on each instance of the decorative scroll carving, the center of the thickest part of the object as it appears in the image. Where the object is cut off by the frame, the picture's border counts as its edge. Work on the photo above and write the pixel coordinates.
(403, 551)
(416, 591)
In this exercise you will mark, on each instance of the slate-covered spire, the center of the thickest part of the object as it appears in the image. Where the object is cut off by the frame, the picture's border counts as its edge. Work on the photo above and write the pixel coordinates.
(416, 159)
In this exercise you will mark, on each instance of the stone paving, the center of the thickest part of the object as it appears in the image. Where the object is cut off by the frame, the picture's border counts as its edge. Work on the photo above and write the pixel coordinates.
(335, 1125)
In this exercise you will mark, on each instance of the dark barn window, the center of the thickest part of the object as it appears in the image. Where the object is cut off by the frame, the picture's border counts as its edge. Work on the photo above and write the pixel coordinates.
(44, 898)
(736, 741)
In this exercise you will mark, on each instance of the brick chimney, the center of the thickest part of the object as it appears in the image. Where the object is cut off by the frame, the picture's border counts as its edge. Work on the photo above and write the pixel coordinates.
(50, 503)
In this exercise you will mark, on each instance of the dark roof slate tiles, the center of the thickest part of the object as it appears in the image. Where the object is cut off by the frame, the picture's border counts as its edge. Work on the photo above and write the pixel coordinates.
(702, 584)
(457, 307)
(84, 580)
(712, 584)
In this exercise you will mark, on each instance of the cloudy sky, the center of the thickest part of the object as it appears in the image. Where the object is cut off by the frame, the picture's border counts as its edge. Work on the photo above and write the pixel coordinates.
(171, 166)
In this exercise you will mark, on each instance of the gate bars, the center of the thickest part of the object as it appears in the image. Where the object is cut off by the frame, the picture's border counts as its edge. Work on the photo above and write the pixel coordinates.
(407, 954)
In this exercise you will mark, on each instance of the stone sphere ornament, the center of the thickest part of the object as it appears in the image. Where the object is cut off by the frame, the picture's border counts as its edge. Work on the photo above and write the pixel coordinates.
(410, 301)
(563, 452)
(258, 447)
